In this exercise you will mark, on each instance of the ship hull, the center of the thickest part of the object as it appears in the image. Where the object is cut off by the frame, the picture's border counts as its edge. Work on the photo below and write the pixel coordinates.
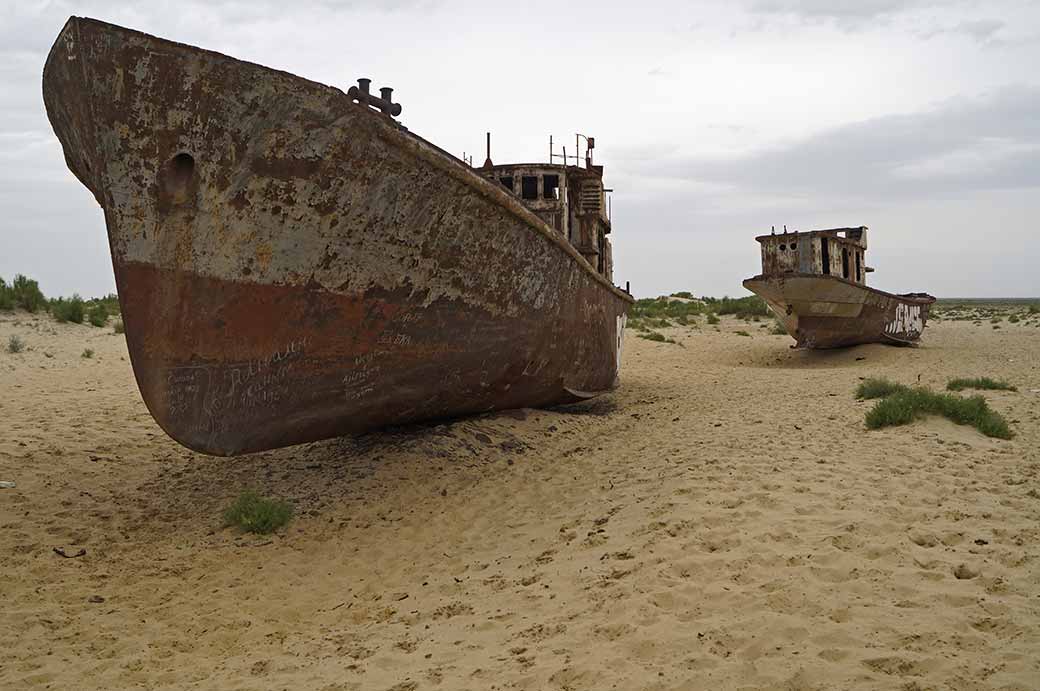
(292, 266)
(829, 312)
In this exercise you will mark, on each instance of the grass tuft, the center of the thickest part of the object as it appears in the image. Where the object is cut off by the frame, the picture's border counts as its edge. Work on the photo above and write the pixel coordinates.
(901, 405)
(778, 328)
(877, 388)
(255, 514)
(87, 353)
(742, 333)
(712, 318)
(118, 327)
(982, 383)
(657, 337)
(15, 344)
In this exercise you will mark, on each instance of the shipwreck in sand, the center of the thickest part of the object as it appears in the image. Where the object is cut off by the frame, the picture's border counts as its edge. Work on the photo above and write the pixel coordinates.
(816, 283)
(294, 264)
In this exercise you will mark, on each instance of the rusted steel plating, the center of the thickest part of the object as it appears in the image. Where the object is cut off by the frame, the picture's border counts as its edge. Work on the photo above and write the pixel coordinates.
(816, 283)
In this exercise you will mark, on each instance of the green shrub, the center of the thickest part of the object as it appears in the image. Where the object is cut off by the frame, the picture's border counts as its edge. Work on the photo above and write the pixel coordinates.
(254, 514)
(778, 328)
(1034, 309)
(15, 344)
(87, 353)
(6, 296)
(1013, 319)
(742, 333)
(68, 309)
(743, 308)
(683, 294)
(26, 294)
(98, 314)
(663, 308)
(903, 406)
(877, 388)
(979, 383)
(712, 319)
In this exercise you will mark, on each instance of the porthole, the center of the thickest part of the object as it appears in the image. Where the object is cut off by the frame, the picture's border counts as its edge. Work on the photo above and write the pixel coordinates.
(782, 247)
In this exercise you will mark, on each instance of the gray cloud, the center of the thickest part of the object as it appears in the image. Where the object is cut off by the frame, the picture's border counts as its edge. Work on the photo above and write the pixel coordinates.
(992, 142)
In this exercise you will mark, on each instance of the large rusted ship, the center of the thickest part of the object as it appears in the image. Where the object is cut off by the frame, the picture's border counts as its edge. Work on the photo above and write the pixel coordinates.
(294, 264)
(816, 283)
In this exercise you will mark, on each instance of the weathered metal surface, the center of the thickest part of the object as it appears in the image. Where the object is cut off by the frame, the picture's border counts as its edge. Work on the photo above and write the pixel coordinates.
(293, 266)
(815, 282)
(569, 199)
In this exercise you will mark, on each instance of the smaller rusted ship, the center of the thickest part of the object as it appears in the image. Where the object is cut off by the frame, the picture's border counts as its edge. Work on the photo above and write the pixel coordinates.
(816, 283)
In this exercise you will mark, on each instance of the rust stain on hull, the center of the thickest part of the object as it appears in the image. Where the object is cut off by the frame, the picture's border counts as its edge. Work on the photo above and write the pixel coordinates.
(828, 312)
(816, 283)
(293, 266)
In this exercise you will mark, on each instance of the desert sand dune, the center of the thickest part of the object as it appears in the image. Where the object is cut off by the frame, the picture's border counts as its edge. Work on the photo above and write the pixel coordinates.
(723, 520)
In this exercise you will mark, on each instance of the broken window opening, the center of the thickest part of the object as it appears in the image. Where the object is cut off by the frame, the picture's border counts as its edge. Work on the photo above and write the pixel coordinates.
(529, 187)
(844, 262)
(859, 272)
(507, 182)
(825, 255)
(551, 187)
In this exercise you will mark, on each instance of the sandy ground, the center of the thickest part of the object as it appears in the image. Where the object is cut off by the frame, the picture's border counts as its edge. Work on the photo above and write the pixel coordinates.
(724, 520)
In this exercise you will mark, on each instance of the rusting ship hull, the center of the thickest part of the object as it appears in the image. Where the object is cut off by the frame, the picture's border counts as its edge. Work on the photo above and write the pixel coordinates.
(293, 266)
(830, 312)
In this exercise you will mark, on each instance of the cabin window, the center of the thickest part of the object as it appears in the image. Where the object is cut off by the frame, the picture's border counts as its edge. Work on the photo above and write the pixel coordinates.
(551, 186)
(529, 187)
(782, 247)
(825, 255)
(844, 262)
(858, 270)
(794, 247)
(507, 182)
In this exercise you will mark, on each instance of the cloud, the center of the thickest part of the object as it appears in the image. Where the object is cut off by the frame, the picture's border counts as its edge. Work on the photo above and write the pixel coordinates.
(990, 142)
(850, 14)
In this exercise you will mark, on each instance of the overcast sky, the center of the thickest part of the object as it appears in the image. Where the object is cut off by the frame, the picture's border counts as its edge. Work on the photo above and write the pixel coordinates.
(715, 120)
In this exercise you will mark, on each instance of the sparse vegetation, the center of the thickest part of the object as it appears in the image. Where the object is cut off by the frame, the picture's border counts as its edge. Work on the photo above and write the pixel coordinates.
(23, 293)
(877, 388)
(1013, 319)
(87, 353)
(742, 333)
(658, 312)
(6, 296)
(743, 308)
(118, 327)
(712, 318)
(657, 337)
(899, 405)
(981, 383)
(68, 309)
(15, 344)
(98, 314)
(778, 328)
(255, 514)
(1034, 309)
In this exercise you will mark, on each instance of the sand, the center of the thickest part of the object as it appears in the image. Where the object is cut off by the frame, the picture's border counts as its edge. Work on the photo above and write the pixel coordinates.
(723, 520)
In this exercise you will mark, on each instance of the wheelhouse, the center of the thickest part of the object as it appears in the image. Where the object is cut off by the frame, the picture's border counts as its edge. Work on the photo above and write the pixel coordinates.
(832, 252)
